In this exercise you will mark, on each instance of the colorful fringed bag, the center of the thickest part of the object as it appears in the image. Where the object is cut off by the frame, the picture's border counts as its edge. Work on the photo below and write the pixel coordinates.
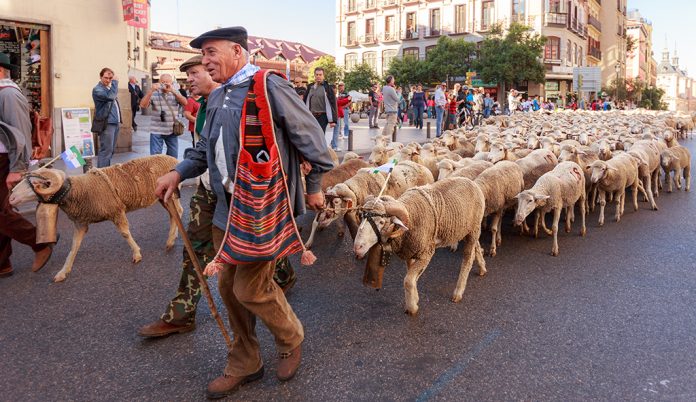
(261, 225)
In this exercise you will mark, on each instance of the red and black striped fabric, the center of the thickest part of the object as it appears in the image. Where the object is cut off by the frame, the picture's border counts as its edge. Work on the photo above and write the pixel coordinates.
(261, 226)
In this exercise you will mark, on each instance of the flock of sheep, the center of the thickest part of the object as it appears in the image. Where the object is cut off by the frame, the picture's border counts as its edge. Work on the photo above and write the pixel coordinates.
(445, 191)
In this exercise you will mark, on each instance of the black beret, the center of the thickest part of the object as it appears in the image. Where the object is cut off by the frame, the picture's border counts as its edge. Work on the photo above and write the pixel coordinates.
(232, 34)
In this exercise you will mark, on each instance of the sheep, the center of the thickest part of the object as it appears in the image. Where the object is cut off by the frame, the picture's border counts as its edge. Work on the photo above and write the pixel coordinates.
(584, 157)
(549, 143)
(342, 197)
(350, 155)
(614, 176)
(647, 154)
(472, 170)
(536, 164)
(339, 174)
(678, 160)
(421, 220)
(500, 152)
(559, 189)
(381, 155)
(499, 184)
(447, 167)
(483, 144)
(101, 194)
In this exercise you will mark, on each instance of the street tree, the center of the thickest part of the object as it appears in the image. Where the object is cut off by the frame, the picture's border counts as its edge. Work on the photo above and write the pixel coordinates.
(450, 58)
(511, 57)
(409, 70)
(652, 98)
(360, 78)
(332, 72)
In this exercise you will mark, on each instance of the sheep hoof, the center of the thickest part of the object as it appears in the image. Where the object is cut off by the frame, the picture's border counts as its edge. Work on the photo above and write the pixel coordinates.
(456, 298)
(137, 258)
(554, 253)
(567, 230)
(412, 313)
(168, 247)
(60, 277)
(583, 232)
(492, 253)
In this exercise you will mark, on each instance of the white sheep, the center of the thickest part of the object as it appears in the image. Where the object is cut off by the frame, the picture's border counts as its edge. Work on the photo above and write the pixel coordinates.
(614, 176)
(421, 220)
(678, 160)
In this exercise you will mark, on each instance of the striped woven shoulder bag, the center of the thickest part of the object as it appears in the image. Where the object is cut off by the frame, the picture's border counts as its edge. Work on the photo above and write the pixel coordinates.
(260, 225)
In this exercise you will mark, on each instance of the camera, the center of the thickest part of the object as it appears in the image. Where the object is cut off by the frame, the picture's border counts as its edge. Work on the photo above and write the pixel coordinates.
(163, 116)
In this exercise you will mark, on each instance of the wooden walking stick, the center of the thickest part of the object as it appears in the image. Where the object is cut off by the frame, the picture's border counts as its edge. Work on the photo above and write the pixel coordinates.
(199, 272)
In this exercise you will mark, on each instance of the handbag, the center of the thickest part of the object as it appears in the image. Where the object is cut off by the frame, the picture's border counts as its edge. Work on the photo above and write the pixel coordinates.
(99, 123)
(178, 127)
(260, 226)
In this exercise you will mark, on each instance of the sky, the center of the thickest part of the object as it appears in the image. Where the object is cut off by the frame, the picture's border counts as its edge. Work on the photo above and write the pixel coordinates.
(314, 22)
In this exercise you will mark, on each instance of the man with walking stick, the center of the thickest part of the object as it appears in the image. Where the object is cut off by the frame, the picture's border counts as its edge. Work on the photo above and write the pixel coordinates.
(248, 290)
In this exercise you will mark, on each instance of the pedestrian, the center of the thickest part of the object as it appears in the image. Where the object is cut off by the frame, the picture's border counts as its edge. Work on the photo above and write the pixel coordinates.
(487, 105)
(165, 101)
(440, 104)
(300, 89)
(105, 95)
(535, 103)
(321, 100)
(248, 290)
(513, 101)
(15, 151)
(402, 106)
(391, 106)
(452, 112)
(431, 106)
(342, 105)
(373, 112)
(418, 103)
(136, 94)
(190, 113)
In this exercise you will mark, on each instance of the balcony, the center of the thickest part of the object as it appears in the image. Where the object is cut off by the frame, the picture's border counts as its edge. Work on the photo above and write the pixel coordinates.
(368, 39)
(594, 22)
(594, 52)
(409, 35)
(388, 3)
(434, 33)
(369, 5)
(459, 31)
(351, 8)
(349, 42)
(518, 18)
(556, 19)
(390, 37)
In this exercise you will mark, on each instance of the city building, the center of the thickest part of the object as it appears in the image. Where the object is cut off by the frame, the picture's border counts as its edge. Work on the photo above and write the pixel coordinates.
(612, 17)
(61, 47)
(168, 51)
(376, 31)
(638, 60)
(680, 89)
(594, 33)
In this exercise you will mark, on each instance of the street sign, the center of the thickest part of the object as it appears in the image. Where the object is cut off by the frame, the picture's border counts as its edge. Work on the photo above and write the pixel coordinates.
(587, 79)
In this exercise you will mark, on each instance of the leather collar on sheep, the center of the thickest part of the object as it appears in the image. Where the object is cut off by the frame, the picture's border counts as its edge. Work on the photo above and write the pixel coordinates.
(367, 215)
(55, 198)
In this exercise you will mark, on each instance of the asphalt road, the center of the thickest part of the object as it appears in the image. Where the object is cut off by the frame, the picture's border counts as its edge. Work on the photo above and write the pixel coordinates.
(611, 318)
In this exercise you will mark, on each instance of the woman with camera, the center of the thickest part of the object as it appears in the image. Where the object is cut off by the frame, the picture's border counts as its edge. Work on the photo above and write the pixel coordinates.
(165, 126)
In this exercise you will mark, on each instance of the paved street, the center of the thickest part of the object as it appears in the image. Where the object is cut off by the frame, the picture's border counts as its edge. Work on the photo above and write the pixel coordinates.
(611, 318)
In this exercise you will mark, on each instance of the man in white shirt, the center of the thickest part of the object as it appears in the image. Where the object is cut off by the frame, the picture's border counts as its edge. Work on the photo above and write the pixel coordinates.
(440, 104)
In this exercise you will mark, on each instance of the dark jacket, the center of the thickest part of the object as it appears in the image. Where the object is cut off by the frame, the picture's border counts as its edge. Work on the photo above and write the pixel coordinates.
(136, 95)
(297, 133)
(331, 113)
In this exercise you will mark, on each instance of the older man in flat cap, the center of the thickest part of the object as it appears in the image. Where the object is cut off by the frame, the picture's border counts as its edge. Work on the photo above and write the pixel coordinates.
(248, 290)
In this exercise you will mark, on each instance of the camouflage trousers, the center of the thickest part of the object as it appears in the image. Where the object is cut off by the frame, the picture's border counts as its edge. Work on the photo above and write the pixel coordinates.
(182, 308)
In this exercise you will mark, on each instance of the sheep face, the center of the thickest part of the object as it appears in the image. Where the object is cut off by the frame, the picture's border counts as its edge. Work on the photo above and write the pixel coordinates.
(665, 159)
(584, 138)
(482, 144)
(599, 170)
(533, 142)
(568, 154)
(45, 182)
(388, 226)
(527, 202)
(378, 156)
(497, 153)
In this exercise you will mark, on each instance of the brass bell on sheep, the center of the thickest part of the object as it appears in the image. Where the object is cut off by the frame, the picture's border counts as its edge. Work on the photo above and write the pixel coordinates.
(46, 223)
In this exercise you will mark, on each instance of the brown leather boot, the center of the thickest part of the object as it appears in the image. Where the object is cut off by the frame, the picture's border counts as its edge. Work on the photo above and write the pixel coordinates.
(6, 271)
(162, 328)
(226, 385)
(288, 363)
(41, 257)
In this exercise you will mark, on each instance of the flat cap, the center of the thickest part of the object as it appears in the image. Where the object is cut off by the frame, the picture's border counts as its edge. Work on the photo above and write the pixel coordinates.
(232, 34)
(193, 61)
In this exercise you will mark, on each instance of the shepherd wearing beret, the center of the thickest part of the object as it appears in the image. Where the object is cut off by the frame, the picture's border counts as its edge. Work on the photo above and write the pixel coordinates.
(248, 289)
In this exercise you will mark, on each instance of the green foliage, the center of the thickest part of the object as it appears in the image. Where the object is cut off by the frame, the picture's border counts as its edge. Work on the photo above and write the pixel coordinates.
(408, 71)
(511, 57)
(652, 99)
(332, 72)
(360, 78)
(450, 58)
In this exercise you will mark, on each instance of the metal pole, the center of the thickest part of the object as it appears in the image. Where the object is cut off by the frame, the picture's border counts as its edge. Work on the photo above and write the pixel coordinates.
(350, 139)
(427, 130)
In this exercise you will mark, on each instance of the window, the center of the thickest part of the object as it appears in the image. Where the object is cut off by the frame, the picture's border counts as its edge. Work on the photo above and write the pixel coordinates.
(175, 43)
(569, 52)
(460, 18)
(555, 6)
(575, 53)
(370, 58)
(352, 5)
(387, 57)
(158, 42)
(411, 27)
(411, 53)
(487, 10)
(278, 57)
(389, 30)
(580, 56)
(351, 61)
(428, 49)
(518, 14)
(552, 50)
(435, 22)
(351, 39)
(369, 30)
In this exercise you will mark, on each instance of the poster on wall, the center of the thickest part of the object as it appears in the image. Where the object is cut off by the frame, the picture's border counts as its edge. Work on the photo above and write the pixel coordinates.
(77, 123)
(135, 13)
